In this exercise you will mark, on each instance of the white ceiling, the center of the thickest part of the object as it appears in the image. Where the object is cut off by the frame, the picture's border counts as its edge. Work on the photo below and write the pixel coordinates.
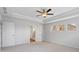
(30, 12)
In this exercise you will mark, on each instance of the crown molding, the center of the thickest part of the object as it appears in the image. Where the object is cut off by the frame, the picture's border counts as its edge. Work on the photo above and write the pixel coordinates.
(67, 15)
(62, 19)
(22, 17)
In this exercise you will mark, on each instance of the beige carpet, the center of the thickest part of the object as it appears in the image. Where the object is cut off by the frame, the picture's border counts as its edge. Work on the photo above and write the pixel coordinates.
(40, 47)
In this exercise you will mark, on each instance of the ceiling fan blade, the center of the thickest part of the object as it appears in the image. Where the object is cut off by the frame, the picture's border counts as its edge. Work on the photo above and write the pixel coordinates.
(38, 11)
(49, 10)
(43, 10)
(50, 14)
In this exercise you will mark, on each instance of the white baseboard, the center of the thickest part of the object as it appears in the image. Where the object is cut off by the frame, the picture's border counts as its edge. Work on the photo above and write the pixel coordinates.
(64, 44)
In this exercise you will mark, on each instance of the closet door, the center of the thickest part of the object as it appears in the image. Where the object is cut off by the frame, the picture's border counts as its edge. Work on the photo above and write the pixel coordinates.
(0, 32)
(8, 34)
(22, 34)
(0, 35)
(28, 34)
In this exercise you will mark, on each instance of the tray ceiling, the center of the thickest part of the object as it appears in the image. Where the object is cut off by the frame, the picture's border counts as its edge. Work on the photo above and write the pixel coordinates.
(30, 12)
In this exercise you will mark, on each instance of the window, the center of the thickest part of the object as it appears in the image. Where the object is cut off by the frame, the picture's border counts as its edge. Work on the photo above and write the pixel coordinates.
(71, 27)
(59, 27)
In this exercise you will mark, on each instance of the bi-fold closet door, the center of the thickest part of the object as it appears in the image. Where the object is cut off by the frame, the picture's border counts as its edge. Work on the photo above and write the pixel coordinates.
(8, 34)
(0, 35)
(0, 32)
(22, 33)
(14, 34)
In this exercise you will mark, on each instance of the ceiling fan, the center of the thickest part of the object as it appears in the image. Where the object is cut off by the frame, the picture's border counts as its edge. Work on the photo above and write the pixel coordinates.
(44, 12)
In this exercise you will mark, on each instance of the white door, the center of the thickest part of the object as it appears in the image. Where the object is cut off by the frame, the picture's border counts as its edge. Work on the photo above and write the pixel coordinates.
(22, 34)
(0, 35)
(28, 34)
(0, 31)
(8, 34)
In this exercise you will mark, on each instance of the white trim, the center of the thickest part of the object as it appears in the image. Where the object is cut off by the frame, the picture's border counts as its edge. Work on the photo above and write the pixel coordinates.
(19, 16)
(61, 19)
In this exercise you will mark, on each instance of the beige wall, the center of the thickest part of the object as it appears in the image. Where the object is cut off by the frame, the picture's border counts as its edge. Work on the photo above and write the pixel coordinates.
(23, 26)
(67, 38)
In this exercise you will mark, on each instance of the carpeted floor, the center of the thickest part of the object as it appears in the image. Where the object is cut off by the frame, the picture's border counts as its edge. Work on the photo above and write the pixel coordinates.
(40, 47)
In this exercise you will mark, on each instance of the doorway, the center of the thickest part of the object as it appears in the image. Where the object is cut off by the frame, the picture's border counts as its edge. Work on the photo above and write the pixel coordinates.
(33, 35)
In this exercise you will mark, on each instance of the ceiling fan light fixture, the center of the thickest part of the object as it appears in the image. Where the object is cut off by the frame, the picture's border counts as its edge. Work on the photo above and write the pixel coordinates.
(44, 13)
